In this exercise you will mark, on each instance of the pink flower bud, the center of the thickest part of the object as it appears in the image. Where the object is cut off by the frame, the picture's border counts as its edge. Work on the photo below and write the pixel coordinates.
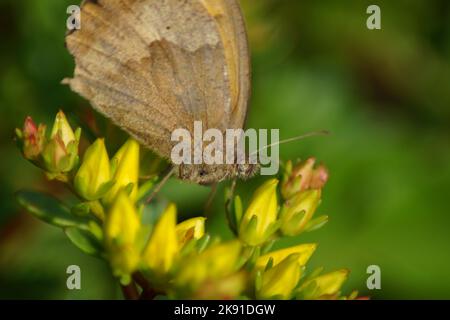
(33, 138)
(302, 177)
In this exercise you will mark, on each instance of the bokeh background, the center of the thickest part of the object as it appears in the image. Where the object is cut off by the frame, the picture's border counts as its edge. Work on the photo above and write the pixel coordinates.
(384, 95)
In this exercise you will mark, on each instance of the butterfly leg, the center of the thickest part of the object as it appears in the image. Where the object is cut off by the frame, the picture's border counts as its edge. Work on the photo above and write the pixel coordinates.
(210, 200)
(229, 206)
(160, 185)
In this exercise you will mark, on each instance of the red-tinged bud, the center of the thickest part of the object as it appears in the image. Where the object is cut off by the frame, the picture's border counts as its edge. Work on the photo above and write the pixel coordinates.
(30, 129)
(32, 138)
(319, 177)
(302, 177)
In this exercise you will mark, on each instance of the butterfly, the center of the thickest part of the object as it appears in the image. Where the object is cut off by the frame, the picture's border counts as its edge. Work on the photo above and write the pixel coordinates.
(153, 66)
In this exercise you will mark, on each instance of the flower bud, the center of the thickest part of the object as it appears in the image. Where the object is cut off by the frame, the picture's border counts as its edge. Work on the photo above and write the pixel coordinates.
(126, 171)
(31, 138)
(162, 248)
(279, 281)
(325, 286)
(260, 218)
(304, 252)
(93, 179)
(319, 178)
(216, 262)
(190, 229)
(122, 225)
(303, 177)
(61, 127)
(55, 153)
(61, 152)
(225, 288)
(298, 211)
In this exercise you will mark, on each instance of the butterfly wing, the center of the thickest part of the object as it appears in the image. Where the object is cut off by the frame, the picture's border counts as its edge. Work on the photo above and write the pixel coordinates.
(231, 25)
(152, 66)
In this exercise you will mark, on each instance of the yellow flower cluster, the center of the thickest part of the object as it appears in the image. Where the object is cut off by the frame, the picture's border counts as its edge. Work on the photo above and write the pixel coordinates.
(57, 154)
(179, 259)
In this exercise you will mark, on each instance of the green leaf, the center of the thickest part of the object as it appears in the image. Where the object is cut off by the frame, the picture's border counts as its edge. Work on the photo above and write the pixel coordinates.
(254, 255)
(81, 209)
(50, 210)
(258, 280)
(269, 264)
(188, 247)
(104, 188)
(250, 229)
(272, 228)
(203, 242)
(267, 246)
(315, 273)
(316, 223)
(297, 218)
(84, 240)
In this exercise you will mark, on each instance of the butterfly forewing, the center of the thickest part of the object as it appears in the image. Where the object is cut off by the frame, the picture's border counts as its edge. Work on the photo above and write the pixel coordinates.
(152, 66)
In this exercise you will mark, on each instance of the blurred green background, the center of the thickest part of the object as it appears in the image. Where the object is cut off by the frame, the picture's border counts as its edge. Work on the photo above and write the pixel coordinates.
(384, 95)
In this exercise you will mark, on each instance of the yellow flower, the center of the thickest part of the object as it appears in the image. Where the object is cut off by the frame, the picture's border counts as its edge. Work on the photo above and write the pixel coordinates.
(304, 252)
(298, 211)
(226, 288)
(279, 281)
(60, 154)
(126, 174)
(92, 180)
(162, 248)
(217, 261)
(259, 220)
(62, 128)
(190, 229)
(121, 228)
(324, 286)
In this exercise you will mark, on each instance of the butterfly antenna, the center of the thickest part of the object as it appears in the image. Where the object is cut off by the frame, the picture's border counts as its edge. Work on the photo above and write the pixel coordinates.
(160, 185)
(304, 136)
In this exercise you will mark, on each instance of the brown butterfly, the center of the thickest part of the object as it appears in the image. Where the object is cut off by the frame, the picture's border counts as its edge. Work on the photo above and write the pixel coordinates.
(152, 66)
